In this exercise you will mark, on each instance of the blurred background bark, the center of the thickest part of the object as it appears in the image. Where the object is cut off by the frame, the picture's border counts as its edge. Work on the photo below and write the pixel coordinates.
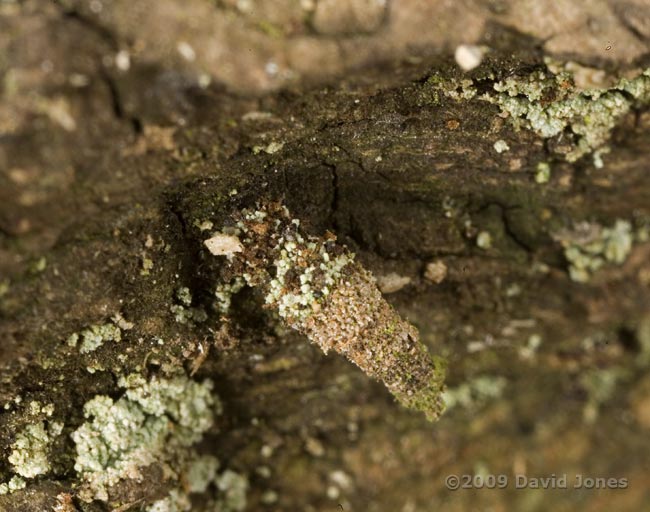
(125, 126)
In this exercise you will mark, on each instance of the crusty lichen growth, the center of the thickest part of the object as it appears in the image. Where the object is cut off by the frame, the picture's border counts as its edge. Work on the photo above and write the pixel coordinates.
(318, 288)
(589, 246)
(29, 456)
(543, 174)
(154, 421)
(199, 473)
(29, 452)
(15, 484)
(94, 337)
(475, 392)
(224, 292)
(234, 488)
(549, 104)
(183, 312)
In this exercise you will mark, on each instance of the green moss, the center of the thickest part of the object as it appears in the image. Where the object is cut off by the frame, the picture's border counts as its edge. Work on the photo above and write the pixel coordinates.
(429, 398)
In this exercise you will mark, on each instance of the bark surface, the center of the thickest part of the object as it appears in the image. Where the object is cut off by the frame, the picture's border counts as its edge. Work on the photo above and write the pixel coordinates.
(129, 132)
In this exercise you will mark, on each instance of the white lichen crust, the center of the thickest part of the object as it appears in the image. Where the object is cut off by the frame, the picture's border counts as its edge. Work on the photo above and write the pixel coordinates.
(550, 104)
(29, 452)
(590, 246)
(94, 337)
(29, 456)
(318, 288)
(199, 473)
(15, 484)
(154, 421)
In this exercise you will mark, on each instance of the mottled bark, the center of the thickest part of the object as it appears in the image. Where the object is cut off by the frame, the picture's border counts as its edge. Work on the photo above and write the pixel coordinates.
(130, 132)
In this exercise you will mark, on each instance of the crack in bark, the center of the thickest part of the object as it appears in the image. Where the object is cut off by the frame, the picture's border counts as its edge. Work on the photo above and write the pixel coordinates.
(511, 232)
(334, 205)
(106, 35)
(507, 226)
(620, 13)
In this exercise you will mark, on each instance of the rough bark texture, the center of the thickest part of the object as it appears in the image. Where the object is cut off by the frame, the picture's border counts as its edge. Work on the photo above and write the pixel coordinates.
(129, 131)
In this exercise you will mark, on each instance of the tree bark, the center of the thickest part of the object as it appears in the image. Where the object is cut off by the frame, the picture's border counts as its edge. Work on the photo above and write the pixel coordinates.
(131, 131)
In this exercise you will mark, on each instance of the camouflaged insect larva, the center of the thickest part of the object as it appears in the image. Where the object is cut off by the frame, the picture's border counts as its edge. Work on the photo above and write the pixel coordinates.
(318, 288)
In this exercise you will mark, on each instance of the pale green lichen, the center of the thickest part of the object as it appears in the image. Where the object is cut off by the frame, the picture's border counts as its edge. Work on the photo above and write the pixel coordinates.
(29, 452)
(29, 456)
(147, 266)
(271, 148)
(590, 246)
(35, 408)
(183, 313)
(600, 385)
(501, 146)
(550, 103)
(203, 225)
(201, 472)
(301, 303)
(184, 296)
(198, 474)
(304, 259)
(543, 173)
(15, 484)
(475, 392)
(39, 265)
(598, 156)
(233, 487)
(484, 240)
(463, 89)
(532, 346)
(176, 501)
(225, 291)
(94, 337)
(153, 421)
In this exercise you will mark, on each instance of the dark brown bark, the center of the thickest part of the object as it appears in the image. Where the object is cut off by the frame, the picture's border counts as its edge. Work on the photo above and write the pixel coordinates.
(110, 172)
